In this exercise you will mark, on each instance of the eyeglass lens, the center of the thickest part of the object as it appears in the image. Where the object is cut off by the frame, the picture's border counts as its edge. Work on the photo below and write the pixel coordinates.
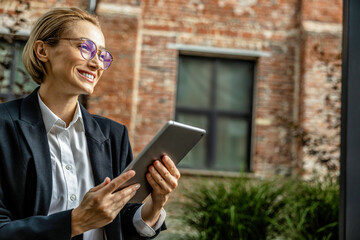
(88, 51)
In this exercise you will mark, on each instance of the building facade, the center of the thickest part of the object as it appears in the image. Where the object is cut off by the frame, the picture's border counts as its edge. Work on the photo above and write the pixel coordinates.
(262, 77)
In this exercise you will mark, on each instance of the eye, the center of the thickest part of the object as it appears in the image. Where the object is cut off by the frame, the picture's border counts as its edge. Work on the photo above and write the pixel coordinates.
(102, 56)
(85, 47)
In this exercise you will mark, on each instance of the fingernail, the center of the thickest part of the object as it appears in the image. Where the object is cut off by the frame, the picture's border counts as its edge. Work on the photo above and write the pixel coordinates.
(137, 186)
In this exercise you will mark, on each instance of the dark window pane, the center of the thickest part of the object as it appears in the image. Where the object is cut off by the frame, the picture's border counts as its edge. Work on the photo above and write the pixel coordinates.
(234, 85)
(232, 144)
(196, 157)
(14, 80)
(194, 83)
(23, 82)
(5, 66)
(216, 94)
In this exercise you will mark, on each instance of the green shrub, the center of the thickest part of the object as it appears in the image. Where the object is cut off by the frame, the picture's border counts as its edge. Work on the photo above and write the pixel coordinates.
(237, 210)
(311, 210)
(263, 209)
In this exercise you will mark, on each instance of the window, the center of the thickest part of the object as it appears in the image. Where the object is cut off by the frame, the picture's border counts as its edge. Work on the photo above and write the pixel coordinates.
(216, 94)
(14, 80)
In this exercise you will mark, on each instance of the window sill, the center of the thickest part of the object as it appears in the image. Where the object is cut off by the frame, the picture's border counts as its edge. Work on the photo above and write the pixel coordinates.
(211, 173)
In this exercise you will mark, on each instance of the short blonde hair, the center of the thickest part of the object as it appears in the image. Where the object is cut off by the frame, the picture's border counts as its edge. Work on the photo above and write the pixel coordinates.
(52, 24)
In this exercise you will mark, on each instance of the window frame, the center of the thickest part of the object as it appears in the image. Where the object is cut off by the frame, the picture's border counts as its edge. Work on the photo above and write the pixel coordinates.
(212, 114)
(15, 48)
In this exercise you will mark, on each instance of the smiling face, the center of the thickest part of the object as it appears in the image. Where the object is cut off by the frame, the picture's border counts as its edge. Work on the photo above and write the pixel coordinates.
(67, 71)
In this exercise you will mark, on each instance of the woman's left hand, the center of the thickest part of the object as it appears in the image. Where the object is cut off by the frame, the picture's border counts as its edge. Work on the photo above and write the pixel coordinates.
(163, 178)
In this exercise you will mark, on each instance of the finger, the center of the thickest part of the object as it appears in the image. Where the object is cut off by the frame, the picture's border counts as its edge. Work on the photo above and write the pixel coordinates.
(101, 185)
(159, 180)
(122, 197)
(170, 165)
(118, 181)
(165, 174)
(152, 182)
(124, 193)
(121, 202)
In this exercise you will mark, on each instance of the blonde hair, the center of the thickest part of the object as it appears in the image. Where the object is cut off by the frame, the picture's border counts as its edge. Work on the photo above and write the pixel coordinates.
(52, 24)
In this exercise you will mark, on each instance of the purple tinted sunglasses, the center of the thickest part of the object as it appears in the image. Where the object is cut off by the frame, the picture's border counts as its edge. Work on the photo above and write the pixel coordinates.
(88, 51)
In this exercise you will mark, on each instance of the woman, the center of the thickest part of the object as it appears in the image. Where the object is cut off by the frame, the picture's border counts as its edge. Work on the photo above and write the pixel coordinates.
(57, 160)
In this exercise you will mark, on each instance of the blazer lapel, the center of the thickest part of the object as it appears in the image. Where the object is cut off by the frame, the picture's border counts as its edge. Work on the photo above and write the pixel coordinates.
(32, 126)
(33, 129)
(100, 156)
(99, 148)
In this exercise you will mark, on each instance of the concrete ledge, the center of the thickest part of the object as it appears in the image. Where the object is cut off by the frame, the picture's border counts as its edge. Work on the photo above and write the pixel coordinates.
(20, 33)
(110, 8)
(209, 173)
(320, 27)
(218, 51)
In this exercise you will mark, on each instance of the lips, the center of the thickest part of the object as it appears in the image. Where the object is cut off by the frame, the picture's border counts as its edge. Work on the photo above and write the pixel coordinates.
(87, 75)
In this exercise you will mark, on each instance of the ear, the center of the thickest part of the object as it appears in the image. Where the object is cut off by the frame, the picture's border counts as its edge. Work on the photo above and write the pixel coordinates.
(41, 51)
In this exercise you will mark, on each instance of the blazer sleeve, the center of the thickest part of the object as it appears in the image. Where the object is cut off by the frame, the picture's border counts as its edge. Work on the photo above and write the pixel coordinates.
(52, 227)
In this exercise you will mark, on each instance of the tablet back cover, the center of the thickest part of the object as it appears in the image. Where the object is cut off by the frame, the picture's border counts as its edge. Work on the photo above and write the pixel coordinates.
(175, 140)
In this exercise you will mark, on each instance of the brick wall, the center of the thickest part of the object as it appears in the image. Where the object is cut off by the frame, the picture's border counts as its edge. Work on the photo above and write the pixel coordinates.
(8, 9)
(320, 84)
(224, 24)
(114, 92)
(295, 83)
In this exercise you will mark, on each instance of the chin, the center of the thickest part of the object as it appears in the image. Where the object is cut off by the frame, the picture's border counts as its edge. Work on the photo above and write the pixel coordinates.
(88, 90)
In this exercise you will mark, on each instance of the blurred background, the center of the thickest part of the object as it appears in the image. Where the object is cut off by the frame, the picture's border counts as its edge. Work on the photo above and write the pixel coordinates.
(263, 77)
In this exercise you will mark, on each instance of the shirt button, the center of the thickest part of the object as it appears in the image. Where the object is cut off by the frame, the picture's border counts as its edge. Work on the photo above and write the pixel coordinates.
(68, 167)
(72, 197)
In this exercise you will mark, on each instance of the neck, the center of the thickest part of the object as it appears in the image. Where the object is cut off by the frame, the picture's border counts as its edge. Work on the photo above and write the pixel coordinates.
(63, 105)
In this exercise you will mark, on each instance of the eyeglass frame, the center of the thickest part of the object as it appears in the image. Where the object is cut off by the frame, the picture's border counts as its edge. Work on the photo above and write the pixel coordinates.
(85, 39)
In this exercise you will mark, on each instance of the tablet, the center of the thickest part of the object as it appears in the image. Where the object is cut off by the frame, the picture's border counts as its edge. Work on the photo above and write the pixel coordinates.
(175, 140)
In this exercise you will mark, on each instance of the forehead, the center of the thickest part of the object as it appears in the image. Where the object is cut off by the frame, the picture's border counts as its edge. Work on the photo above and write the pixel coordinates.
(86, 29)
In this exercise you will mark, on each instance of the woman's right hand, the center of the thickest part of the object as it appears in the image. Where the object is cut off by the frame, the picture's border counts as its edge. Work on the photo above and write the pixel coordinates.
(102, 204)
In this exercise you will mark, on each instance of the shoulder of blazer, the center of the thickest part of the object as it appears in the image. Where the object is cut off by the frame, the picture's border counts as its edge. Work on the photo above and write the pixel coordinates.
(107, 126)
(111, 126)
(10, 110)
(25, 109)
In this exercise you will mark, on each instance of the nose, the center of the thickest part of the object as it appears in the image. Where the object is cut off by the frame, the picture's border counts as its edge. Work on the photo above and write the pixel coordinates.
(95, 63)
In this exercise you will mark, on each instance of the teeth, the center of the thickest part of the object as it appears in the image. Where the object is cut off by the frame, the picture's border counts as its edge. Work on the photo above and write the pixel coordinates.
(88, 75)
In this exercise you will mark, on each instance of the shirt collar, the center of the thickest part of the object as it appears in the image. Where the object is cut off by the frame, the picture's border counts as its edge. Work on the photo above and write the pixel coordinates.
(50, 119)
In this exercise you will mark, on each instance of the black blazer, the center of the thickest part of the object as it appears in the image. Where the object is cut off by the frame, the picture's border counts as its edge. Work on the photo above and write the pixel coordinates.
(26, 177)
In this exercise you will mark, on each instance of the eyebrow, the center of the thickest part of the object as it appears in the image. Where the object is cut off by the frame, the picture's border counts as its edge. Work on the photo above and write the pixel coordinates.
(77, 38)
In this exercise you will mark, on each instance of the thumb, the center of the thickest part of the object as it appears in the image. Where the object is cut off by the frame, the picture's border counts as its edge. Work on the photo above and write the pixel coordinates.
(101, 185)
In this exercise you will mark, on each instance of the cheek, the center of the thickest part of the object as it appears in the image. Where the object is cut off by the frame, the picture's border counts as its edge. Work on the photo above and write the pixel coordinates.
(69, 63)
(73, 58)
